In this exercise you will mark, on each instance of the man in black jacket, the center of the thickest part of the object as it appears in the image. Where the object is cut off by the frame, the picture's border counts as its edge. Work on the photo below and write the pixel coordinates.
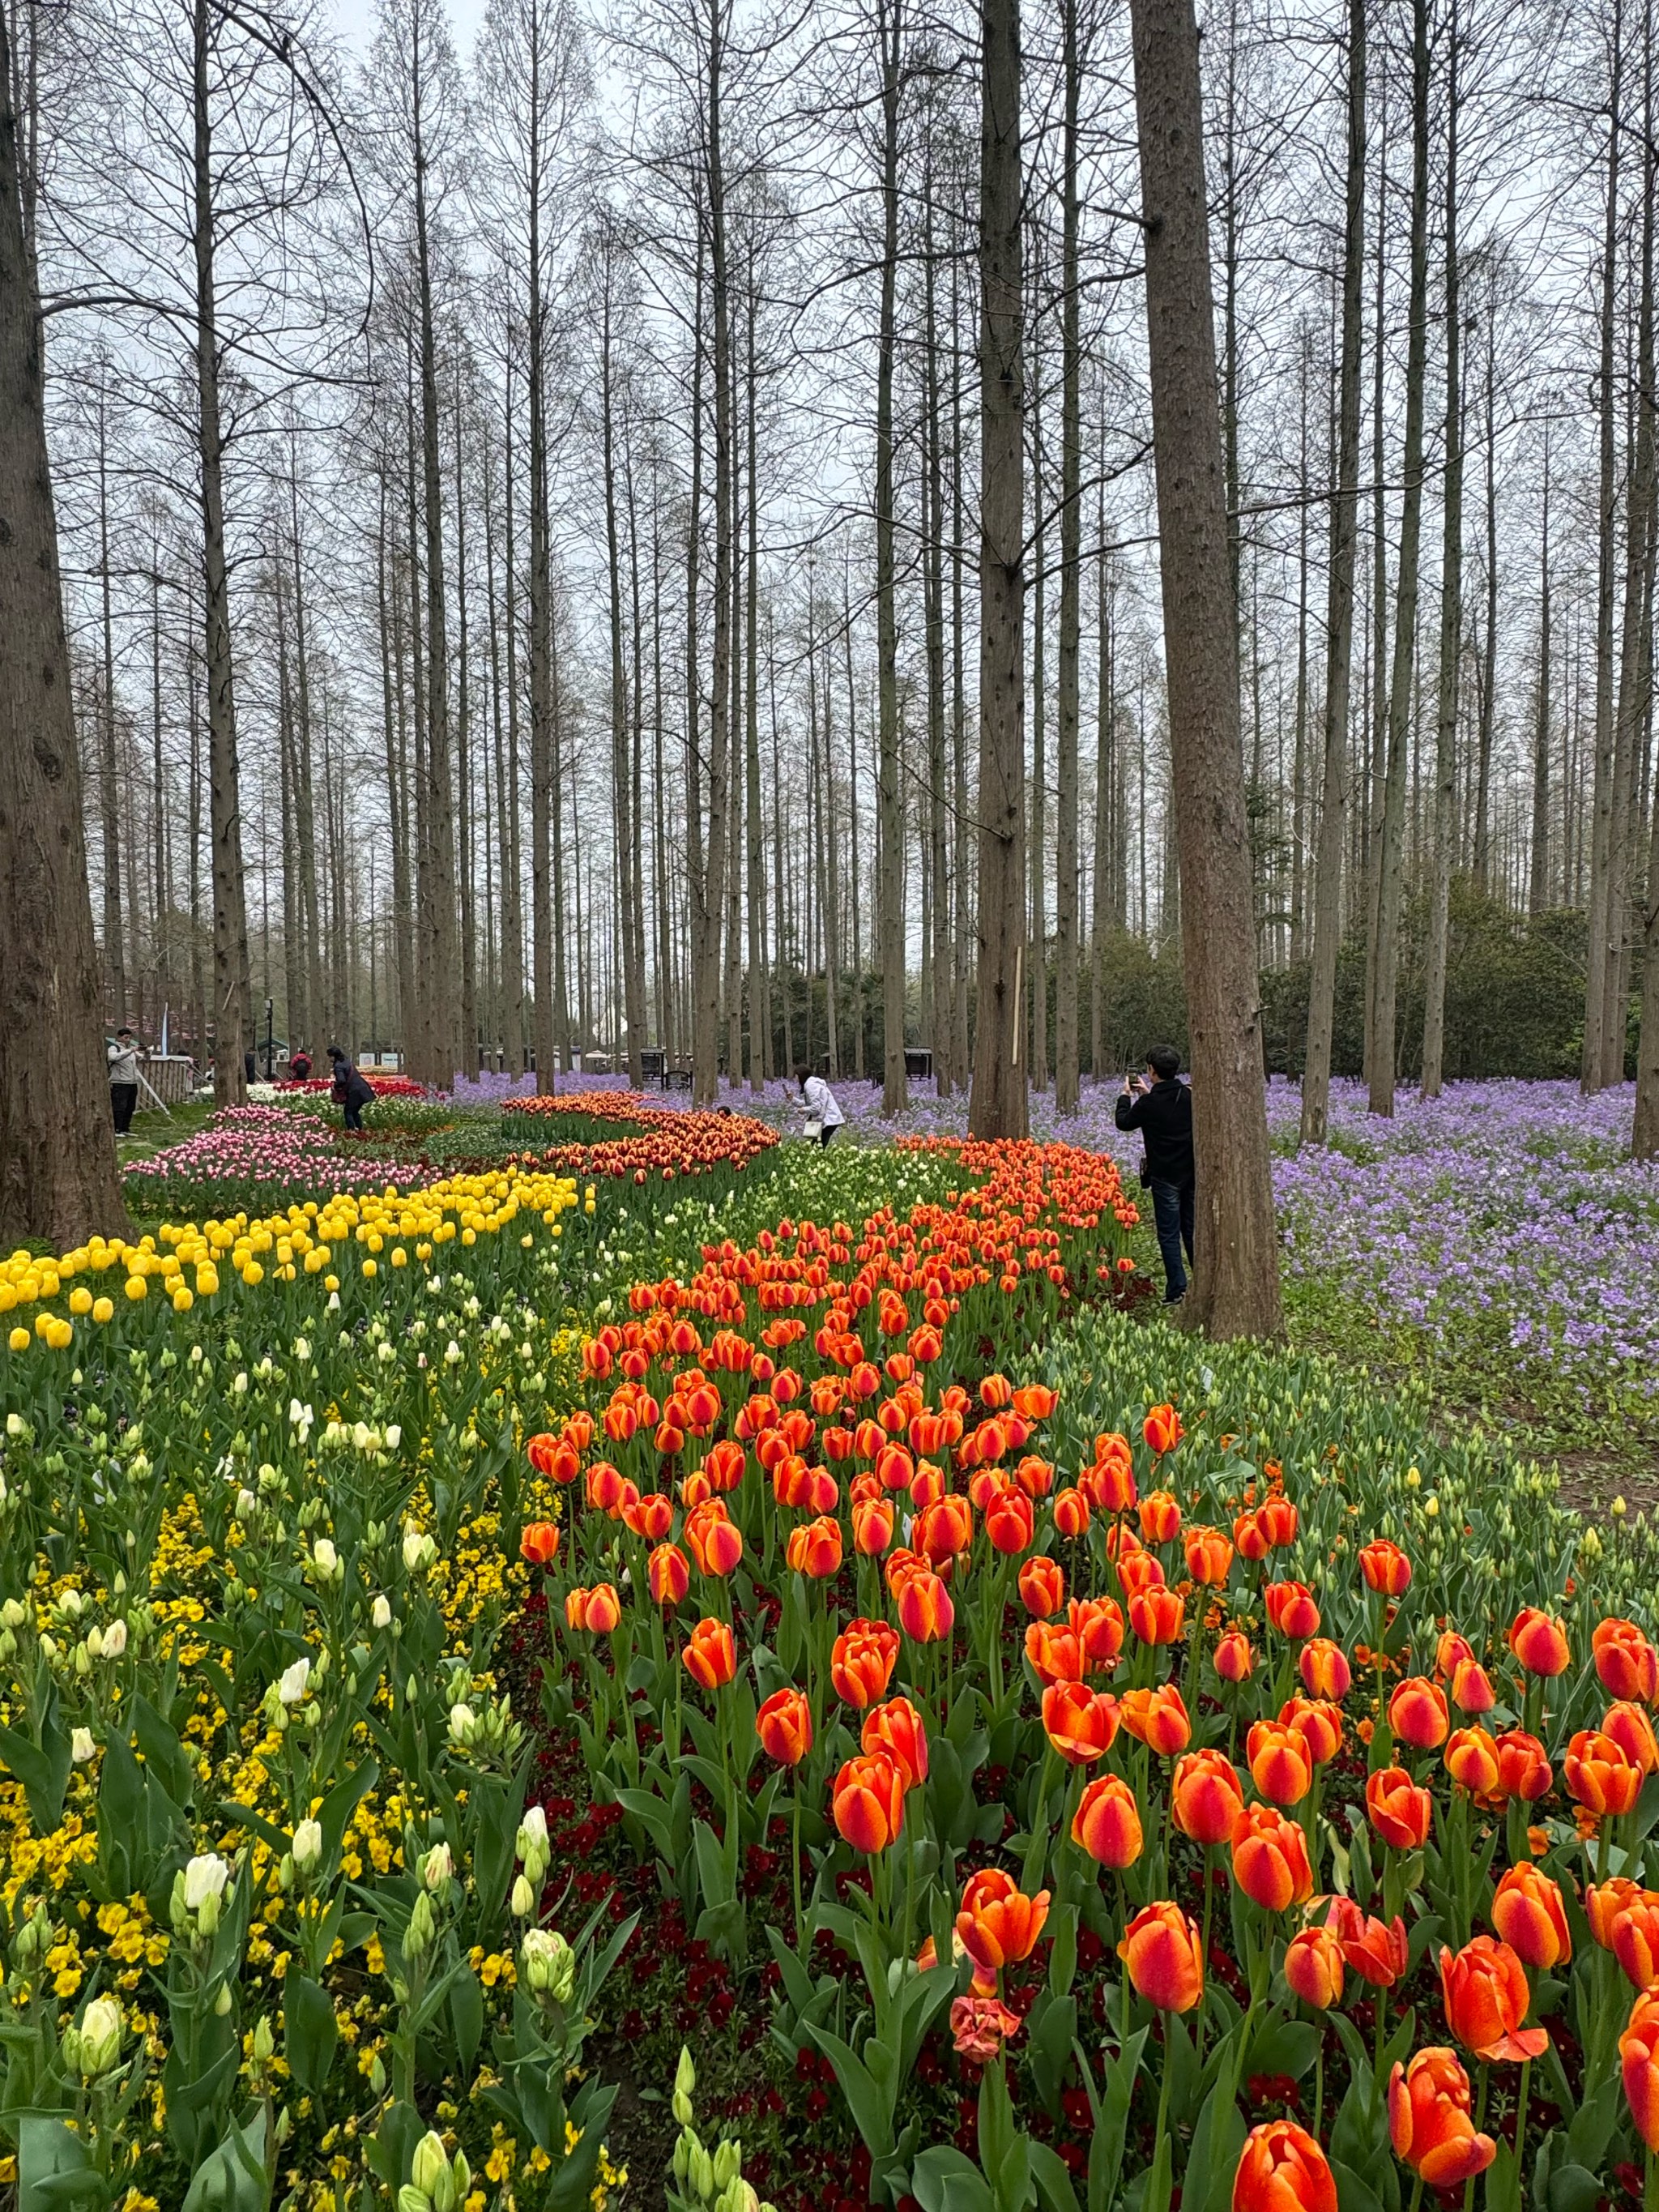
(351, 1089)
(1160, 1106)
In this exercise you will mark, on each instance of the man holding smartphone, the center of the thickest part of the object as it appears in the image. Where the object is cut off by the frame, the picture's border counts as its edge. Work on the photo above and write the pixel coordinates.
(1160, 1106)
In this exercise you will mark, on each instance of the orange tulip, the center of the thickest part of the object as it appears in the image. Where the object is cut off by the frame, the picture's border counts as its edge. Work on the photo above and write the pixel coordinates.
(1009, 1523)
(945, 1528)
(1398, 1810)
(1079, 1721)
(539, 1542)
(1055, 1654)
(999, 1925)
(1639, 2063)
(1636, 1938)
(1523, 1768)
(602, 1610)
(1313, 1967)
(1376, 1950)
(1270, 1859)
(668, 1574)
(1418, 1714)
(1318, 1723)
(1599, 1774)
(1626, 1662)
(897, 1729)
(1234, 1659)
(1158, 1718)
(872, 1526)
(1107, 1822)
(575, 1609)
(924, 1611)
(1278, 1519)
(868, 1802)
(1633, 1731)
(1291, 1609)
(1209, 1557)
(1162, 1430)
(1471, 1758)
(1042, 1587)
(1604, 1902)
(1282, 2169)
(1158, 1616)
(1529, 1914)
(1206, 1798)
(814, 1548)
(1539, 1641)
(1160, 1518)
(710, 1656)
(1484, 1987)
(784, 1725)
(1429, 2120)
(1139, 1570)
(1280, 1766)
(1323, 1667)
(1385, 1567)
(652, 1518)
(1470, 1688)
(862, 1660)
(714, 1542)
(1163, 1951)
(1097, 1625)
(1072, 1513)
(1250, 1539)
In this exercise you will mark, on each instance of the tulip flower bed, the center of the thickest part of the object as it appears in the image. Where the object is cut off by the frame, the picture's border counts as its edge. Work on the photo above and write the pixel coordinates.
(1059, 1796)
(618, 1136)
(458, 1646)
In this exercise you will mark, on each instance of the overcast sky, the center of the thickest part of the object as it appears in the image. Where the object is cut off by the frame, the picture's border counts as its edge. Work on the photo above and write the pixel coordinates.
(355, 20)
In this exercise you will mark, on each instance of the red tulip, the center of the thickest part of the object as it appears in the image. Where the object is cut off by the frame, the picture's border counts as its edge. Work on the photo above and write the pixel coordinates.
(1324, 1668)
(1626, 1663)
(1313, 1967)
(1280, 1766)
(1042, 1587)
(1523, 1769)
(1529, 1914)
(1418, 1714)
(1539, 1641)
(814, 1548)
(669, 1575)
(1385, 1567)
(1376, 1950)
(1234, 1659)
(1162, 1430)
(1291, 1610)
(897, 1729)
(1638, 2060)
(1205, 1799)
(1079, 1722)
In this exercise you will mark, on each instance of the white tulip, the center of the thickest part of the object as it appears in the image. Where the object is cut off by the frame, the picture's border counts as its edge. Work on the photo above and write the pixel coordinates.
(115, 1639)
(82, 1746)
(205, 1877)
(308, 1845)
(292, 1687)
(381, 1613)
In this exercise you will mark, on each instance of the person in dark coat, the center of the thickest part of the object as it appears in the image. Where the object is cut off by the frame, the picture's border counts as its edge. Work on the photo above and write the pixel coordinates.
(352, 1090)
(1160, 1106)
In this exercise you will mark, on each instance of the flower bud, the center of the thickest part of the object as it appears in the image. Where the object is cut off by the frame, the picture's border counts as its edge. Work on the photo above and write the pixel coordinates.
(417, 1938)
(728, 2161)
(100, 2038)
(308, 1845)
(381, 1611)
(265, 2040)
(702, 2172)
(431, 2164)
(222, 2002)
(82, 1746)
(523, 1900)
(437, 1867)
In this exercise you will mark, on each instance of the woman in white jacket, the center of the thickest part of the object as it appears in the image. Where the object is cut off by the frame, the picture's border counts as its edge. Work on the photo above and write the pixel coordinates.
(823, 1117)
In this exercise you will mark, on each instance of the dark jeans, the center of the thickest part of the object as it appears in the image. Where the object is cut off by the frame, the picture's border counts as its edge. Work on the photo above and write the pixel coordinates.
(827, 1132)
(123, 1097)
(1172, 1212)
(353, 1113)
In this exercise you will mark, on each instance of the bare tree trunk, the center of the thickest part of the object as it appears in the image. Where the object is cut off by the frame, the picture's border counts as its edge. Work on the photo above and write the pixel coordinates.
(109, 816)
(1066, 1080)
(1538, 879)
(998, 1106)
(1338, 624)
(468, 993)
(1107, 881)
(58, 1178)
(1482, 840)
(1038, 936)
(1636, 644)
(938, 1030)
(231, 1013)
(1236, 1286)
(1451, 615)
(1391, 856)
(760, 1000)
(709, 894)
(894, 1090)
(779, 911)
(1607, 503)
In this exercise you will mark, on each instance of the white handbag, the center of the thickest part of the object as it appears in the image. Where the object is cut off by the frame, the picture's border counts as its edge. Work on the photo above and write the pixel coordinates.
(812, 1130)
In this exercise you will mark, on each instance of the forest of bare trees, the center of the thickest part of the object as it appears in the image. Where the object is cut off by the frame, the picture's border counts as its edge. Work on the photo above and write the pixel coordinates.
(638, 528)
